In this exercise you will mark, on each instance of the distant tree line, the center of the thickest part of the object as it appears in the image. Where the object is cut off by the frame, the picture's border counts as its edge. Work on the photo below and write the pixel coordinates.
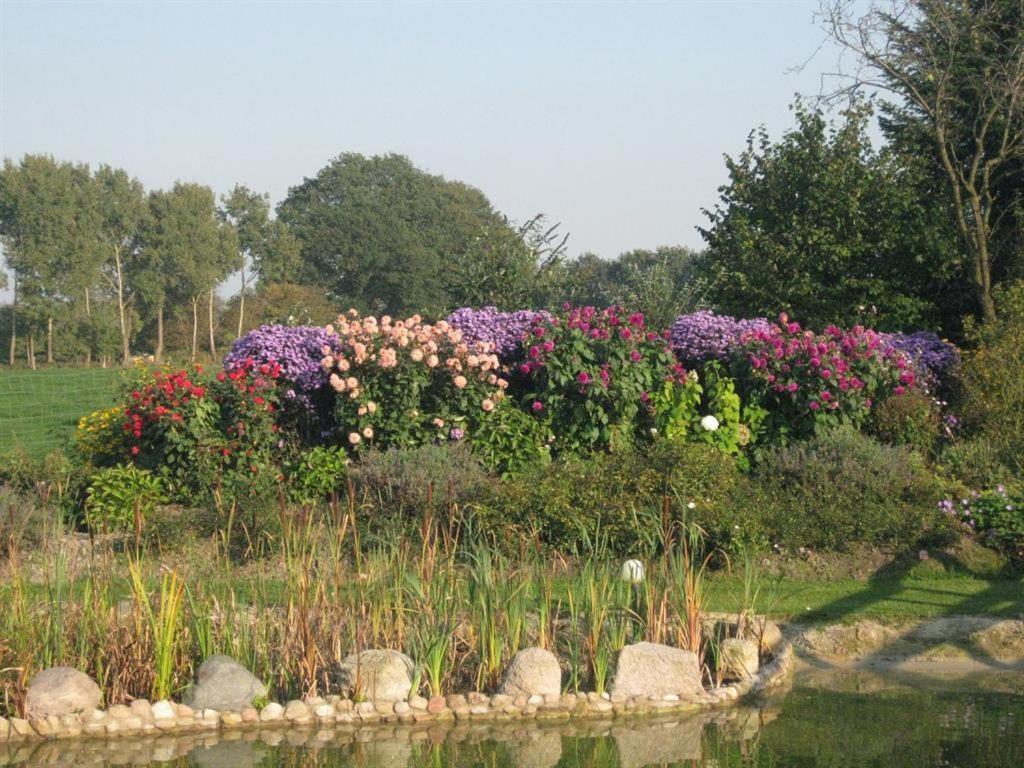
(819, 223)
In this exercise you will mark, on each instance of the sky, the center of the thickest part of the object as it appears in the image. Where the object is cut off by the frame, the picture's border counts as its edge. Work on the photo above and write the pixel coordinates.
(611, 118)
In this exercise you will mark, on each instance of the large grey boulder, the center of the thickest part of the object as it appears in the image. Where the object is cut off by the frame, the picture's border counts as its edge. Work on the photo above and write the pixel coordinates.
(649, 669)
(60, 691)
(532, 671)
(224, 685)
(378, 675)
(738, 658)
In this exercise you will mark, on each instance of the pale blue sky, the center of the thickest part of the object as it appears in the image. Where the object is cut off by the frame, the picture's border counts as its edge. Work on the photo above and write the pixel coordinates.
(610, 117)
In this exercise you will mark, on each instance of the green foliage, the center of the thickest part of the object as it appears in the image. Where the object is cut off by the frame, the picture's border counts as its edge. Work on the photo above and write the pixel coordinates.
(820, 225)
(117, 494)
(711, 413)
(612, 499)
(999, 516)
(380, 234)
(315, 474)
(993, 380)
(975, 462)
(410, 481)
(511, 441)
(912, 419)
(842, 487)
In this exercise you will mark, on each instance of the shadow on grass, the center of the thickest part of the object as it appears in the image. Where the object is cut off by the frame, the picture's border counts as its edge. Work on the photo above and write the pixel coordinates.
(893, 583)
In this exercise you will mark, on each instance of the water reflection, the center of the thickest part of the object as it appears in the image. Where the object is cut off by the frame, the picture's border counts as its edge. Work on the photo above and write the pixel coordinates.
(830, 719)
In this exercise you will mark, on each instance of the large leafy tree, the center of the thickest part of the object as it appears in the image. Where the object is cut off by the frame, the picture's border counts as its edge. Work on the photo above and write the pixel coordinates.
(185, 252)
(383, 235)
(122, 205)
(957, 67)
(821, 225)
(267, 251)
(49, 221)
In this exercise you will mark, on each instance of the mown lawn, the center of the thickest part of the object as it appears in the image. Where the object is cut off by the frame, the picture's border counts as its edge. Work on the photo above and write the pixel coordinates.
(39, 409)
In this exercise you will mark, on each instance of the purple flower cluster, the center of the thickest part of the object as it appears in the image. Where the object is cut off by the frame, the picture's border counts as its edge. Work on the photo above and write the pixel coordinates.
(929, 352)
(506, 330)
(297, 349)
(702, 336)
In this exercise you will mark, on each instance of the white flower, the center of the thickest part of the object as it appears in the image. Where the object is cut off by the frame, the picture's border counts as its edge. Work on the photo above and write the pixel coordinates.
(709, 422)
(633, 571)
(692, 505)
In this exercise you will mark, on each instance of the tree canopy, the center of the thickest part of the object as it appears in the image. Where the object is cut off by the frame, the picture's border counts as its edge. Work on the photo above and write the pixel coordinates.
(821, 225)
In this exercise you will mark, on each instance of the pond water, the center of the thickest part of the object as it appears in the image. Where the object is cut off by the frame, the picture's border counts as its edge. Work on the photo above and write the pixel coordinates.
(826, 718)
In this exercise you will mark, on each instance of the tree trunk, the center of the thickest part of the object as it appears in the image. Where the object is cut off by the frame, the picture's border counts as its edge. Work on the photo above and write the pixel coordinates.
(213, 344)
(49, 340)
(159, 353)
(88, 315)
(30, 349)
(195, 326)
(14, 321)
(241, 305)
(125, 352)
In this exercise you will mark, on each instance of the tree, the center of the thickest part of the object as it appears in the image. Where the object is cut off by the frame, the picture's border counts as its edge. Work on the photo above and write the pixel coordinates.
(506, 266)
(822, 226)
(122, 206)
(49, 223)
(184, 253)
(958, 66)
(380, 234)
(266, 249)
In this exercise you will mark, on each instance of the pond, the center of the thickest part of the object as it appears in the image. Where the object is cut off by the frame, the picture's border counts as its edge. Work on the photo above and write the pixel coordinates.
(826, 718)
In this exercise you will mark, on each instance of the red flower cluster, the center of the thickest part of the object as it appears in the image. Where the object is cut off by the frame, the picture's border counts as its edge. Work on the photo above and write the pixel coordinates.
(160, 401)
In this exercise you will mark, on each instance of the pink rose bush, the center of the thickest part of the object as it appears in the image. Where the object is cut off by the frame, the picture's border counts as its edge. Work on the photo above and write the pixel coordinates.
(806, 380)
(408, 382)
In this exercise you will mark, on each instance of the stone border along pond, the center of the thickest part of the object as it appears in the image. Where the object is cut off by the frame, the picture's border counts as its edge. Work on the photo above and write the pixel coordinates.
(62, 703)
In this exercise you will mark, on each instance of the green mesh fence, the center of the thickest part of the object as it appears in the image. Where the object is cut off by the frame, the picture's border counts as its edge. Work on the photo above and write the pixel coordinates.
(39, 409)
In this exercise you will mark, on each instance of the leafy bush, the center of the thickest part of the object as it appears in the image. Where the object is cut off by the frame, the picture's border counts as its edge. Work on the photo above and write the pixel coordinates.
(404, 383)
(912, 419)
(511, 441)
(315, 474)
(843, 487)
(23, 520)
(612, 500)
(997, 515)
(400, 481)
(993, 381)
(975, 462)
(117, 494)
(586, 376)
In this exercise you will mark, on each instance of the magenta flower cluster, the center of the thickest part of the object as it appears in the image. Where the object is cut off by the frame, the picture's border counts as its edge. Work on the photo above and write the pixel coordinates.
(699, 337)
(297, 349)
(505, 330)
(837, 371)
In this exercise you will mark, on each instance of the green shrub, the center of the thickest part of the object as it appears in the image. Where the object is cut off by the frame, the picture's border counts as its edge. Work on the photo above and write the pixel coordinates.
(993, 380)
(510, 442)
(118, 493)
(975, 462)
(614, 500)
(843, 487)
(399, 481)
(315, 474)
(911, 419)
(997, 515)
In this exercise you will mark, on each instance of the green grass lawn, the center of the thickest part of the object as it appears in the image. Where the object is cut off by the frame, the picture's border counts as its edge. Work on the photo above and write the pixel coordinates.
(39, 409)
(886, 598)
